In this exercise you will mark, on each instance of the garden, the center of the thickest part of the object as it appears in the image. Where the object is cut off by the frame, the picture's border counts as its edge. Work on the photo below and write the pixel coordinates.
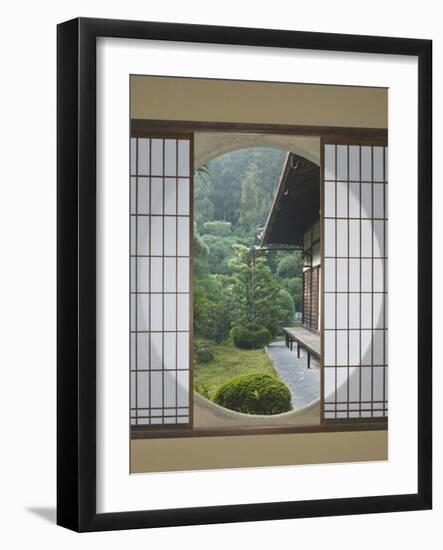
(243, 295)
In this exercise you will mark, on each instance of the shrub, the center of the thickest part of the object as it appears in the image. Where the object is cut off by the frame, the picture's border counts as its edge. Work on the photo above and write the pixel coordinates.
(203, 389)
(290, 266)
(287, 306)
(219, 228)
(245, 338)
(204, 354)
(254, 394)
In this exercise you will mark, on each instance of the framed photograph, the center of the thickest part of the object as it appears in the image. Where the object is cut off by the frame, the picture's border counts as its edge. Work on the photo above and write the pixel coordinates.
(244, 274)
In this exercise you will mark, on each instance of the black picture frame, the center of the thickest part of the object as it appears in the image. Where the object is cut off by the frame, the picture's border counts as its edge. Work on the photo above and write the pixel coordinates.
(76, 278)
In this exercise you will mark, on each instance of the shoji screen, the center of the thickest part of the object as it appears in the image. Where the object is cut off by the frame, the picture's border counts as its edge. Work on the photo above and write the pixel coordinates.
(355, 337)
(160, 280)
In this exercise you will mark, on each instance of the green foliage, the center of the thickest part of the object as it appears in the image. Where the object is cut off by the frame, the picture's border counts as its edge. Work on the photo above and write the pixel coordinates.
(201, 252)
(290, 265)
(245, 338)
(204, 207)
(203, 389)
(232, 198)
(294, 287)
(251, 201)
(203, 354)
(229, 361)
(251, 172)
(254, 394)
(254, 292)
(212, 307)
(287, 305)
(218, 228)
(219, 252)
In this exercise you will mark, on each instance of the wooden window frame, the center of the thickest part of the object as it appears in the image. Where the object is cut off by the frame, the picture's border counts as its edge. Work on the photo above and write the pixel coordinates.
(185, 129)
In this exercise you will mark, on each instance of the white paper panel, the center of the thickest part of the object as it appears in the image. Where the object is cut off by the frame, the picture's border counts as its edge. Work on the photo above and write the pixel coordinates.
(183, 274)
(342, 311)
(156, 235)
(183, 158)
(142, 347)
(342, 347)
(142, 237)
(143, 157)
(183, 236)
(366, 200)
(355, 281)
(329, 348)
(156, 312)
(156, 275)
(366, 310)
(143, 198)
(182, 350)
(329, 237)
(170, 157)
(378, 193)
(170, 315)
(170, 276)
(329, 199)
(142, 274)
(182, 311)
(169, 350)
(170, 196)
(329, 172)
(342, 199)
(377, 156)
(169, 389)
(133, 199)
(354, 275)
(354, 311)
(342, 238)
(342, 163)
(378, 311)
(366, 161)
(354, 163)
(142, 312)
(157, 195)
(366, 275)
(354, 348)
(354, 200)
(342, 275)
(133, 156)
(329, 275)
(329, 314)
(170, 236)
(156, 389)
(157, 157)
(183, 196)
(342, 384)
(143, 389)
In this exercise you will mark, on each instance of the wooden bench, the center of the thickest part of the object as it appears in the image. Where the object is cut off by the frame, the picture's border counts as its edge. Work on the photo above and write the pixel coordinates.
(305, 339)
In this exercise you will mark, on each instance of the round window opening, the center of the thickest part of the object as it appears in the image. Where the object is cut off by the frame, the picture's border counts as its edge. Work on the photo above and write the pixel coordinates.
(254, 270)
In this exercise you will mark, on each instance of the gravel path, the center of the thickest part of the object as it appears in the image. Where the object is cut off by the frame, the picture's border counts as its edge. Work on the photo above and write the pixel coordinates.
(303, 383)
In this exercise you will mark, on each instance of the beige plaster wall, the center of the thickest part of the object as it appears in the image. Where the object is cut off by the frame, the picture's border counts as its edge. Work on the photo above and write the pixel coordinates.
(169, 98)
(201, 453)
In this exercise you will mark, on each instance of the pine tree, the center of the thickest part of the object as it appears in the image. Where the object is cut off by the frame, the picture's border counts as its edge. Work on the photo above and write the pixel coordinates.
(255, 293)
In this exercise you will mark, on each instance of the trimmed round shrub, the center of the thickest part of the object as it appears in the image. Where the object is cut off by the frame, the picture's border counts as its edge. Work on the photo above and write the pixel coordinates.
(254, 394)
(204, 354)
(245, 338)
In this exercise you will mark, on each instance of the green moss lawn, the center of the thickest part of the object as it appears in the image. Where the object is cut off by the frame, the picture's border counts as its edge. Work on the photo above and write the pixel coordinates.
(228, 361)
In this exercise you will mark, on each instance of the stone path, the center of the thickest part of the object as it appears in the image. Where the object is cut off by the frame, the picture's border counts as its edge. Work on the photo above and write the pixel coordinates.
(303, 383)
